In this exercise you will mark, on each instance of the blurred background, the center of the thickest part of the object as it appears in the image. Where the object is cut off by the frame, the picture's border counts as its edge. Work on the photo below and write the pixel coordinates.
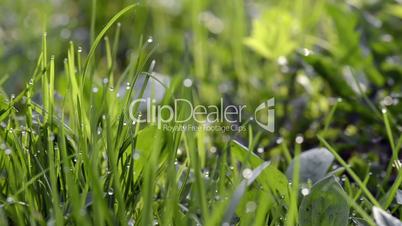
(308, 54)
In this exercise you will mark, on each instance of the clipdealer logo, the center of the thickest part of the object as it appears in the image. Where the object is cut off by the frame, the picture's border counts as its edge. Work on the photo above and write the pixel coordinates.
(209, 117)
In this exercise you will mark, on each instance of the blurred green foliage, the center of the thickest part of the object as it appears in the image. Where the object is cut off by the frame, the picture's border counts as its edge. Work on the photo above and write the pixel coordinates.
(307, 54)
(304, 53)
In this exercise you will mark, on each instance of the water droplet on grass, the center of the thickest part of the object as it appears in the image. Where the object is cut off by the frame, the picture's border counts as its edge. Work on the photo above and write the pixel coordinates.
(136, 155)
(10, 200)
(387, 101)
(206, 173)
(247, 173)
(7, 151)
(251, 207)
(299, 139)
(187, 82)
(95, 89)
(305, 191)
(306, 52)
(282, 61)
(213, 149)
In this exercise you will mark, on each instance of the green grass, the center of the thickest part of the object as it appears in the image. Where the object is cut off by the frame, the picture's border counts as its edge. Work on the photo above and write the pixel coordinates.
(70, 154)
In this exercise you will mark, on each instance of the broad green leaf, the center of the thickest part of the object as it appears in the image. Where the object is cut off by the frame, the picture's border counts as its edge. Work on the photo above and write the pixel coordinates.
(325, 205)
(383, 218)
(273, 34)
(346, 45)
(329, 71)
(314, 164)
(143, 149)
(241, 189)
(271, 178)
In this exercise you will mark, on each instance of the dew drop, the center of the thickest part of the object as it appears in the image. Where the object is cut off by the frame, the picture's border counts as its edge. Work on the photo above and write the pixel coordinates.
(387, 101)
(7, 151)
(136, 156)
(247, 173)
(282, 61)
(187, 82)
(213, 150)
(343, 178)
(10, 200)
(305, 191)
(251, 207)
(206, 173)
(299, 139)
(306, 52)
(95, 89)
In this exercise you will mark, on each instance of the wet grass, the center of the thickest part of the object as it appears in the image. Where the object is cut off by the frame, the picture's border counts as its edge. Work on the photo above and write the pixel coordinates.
(72, 154)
